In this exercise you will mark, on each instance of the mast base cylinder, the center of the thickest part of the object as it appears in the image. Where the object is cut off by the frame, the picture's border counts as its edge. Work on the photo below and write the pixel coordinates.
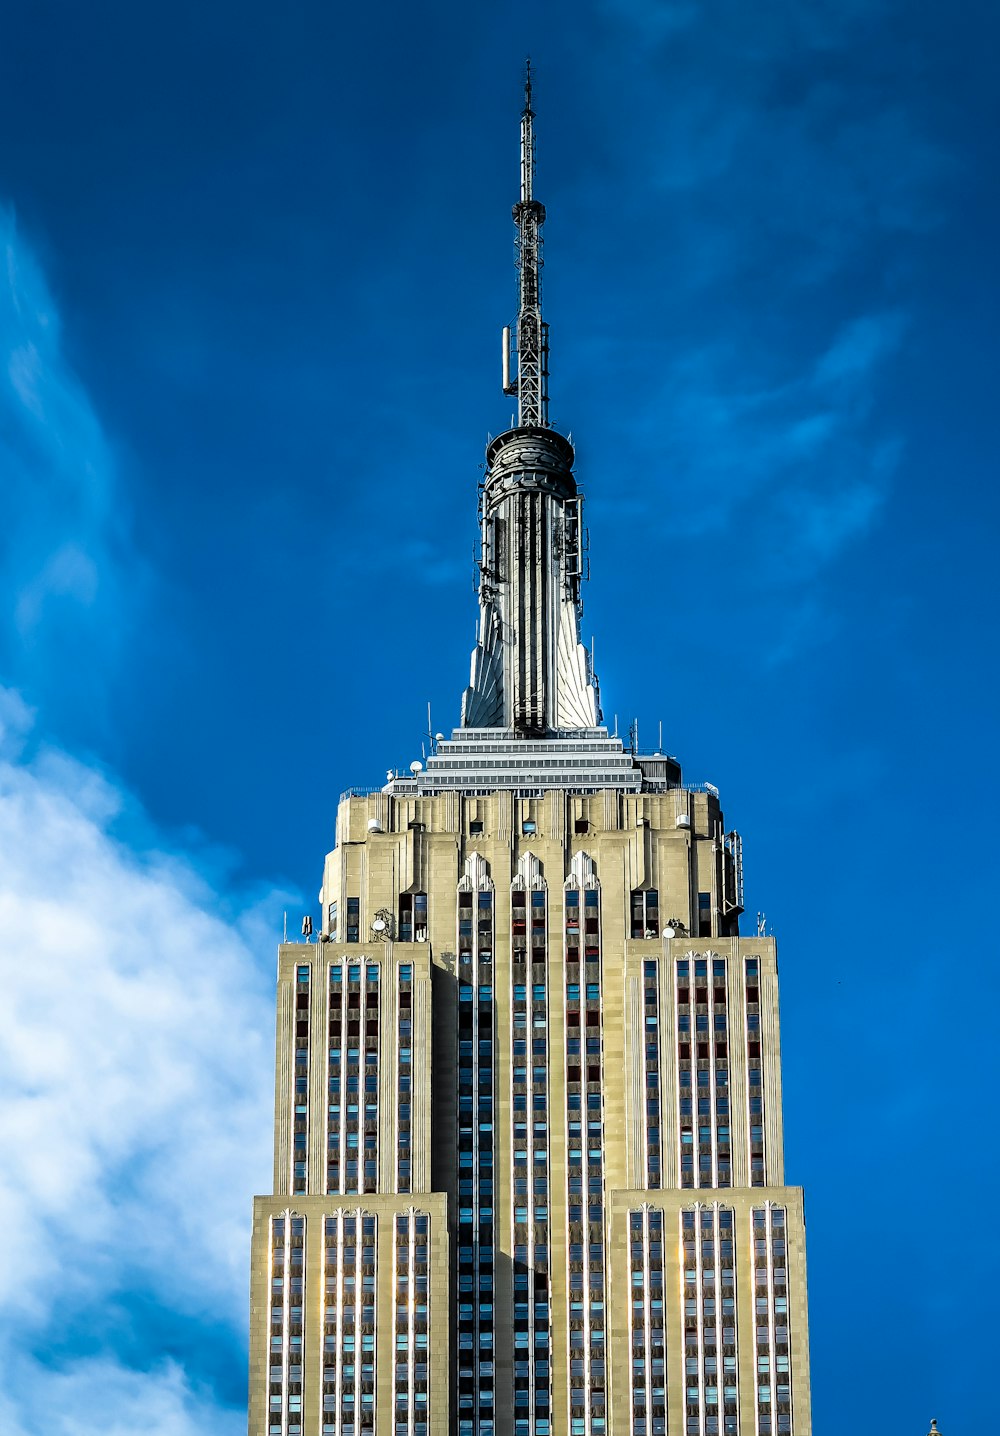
(530, 458)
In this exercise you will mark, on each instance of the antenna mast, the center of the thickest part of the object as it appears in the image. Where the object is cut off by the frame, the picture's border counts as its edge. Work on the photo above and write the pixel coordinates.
(530, 381)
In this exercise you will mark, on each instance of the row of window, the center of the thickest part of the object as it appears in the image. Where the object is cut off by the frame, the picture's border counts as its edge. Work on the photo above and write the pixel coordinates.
(349, 1316)
(651, 1065)
(353, 1041)
(772, 1374)
(708, 1315)
(529, 1009)
(352, 1078)
(300, 1082)
(349, 1348)
(475, 1231)
(705, 1147)
(706, 1237)
(285, 1301)
(647, 1369)
(644, 916)
(404, 1077)
(585, 1152)
(411, 1324)
(705, 1151)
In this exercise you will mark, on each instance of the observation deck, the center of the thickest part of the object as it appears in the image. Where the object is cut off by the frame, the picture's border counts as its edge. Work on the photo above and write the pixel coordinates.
(581, 760)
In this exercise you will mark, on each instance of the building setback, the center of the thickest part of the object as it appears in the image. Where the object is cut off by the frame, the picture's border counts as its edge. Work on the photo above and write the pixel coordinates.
(528, 1168)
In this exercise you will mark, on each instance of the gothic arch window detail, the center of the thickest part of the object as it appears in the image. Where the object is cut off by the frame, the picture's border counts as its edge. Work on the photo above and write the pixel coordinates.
(582, 872)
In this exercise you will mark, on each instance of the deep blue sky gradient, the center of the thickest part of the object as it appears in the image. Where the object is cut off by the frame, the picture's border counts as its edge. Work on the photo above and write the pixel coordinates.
(280, 251)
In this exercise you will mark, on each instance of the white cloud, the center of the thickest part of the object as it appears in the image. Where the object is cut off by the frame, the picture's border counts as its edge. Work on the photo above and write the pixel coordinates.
(136, 1061)
(102, 1395)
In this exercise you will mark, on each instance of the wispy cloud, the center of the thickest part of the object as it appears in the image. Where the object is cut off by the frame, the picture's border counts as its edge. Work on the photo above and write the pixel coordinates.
(64, 549)
(776, 183)
(656, 19)
(767, 137)
(135, 1059)
(795, 460)
(767, 473)
(816, 26)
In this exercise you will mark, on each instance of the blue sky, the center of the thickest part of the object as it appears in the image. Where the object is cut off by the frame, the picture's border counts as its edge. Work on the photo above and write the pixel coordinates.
(256, 264)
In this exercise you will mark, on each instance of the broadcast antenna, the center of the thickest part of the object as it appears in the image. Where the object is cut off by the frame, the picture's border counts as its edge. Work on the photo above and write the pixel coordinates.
(530, 377)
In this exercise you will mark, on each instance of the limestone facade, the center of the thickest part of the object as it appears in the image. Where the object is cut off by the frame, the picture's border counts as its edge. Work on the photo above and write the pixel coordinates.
(582, 1147)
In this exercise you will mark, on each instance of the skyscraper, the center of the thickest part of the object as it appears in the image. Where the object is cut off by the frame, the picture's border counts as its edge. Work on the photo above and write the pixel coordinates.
(528, 1170)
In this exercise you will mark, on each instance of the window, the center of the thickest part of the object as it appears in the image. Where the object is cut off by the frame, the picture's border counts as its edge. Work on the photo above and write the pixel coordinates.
(476, 825)
(704, 915)
(645, 913)
(581, 826)
(353, 919)
(529, 826)
(413, 917)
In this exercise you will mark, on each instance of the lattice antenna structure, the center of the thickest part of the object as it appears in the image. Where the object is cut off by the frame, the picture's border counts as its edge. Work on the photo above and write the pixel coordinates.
(526, 371)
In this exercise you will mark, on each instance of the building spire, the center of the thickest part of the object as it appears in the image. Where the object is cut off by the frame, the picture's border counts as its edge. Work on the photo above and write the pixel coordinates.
(526, 372)
(530, 672)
